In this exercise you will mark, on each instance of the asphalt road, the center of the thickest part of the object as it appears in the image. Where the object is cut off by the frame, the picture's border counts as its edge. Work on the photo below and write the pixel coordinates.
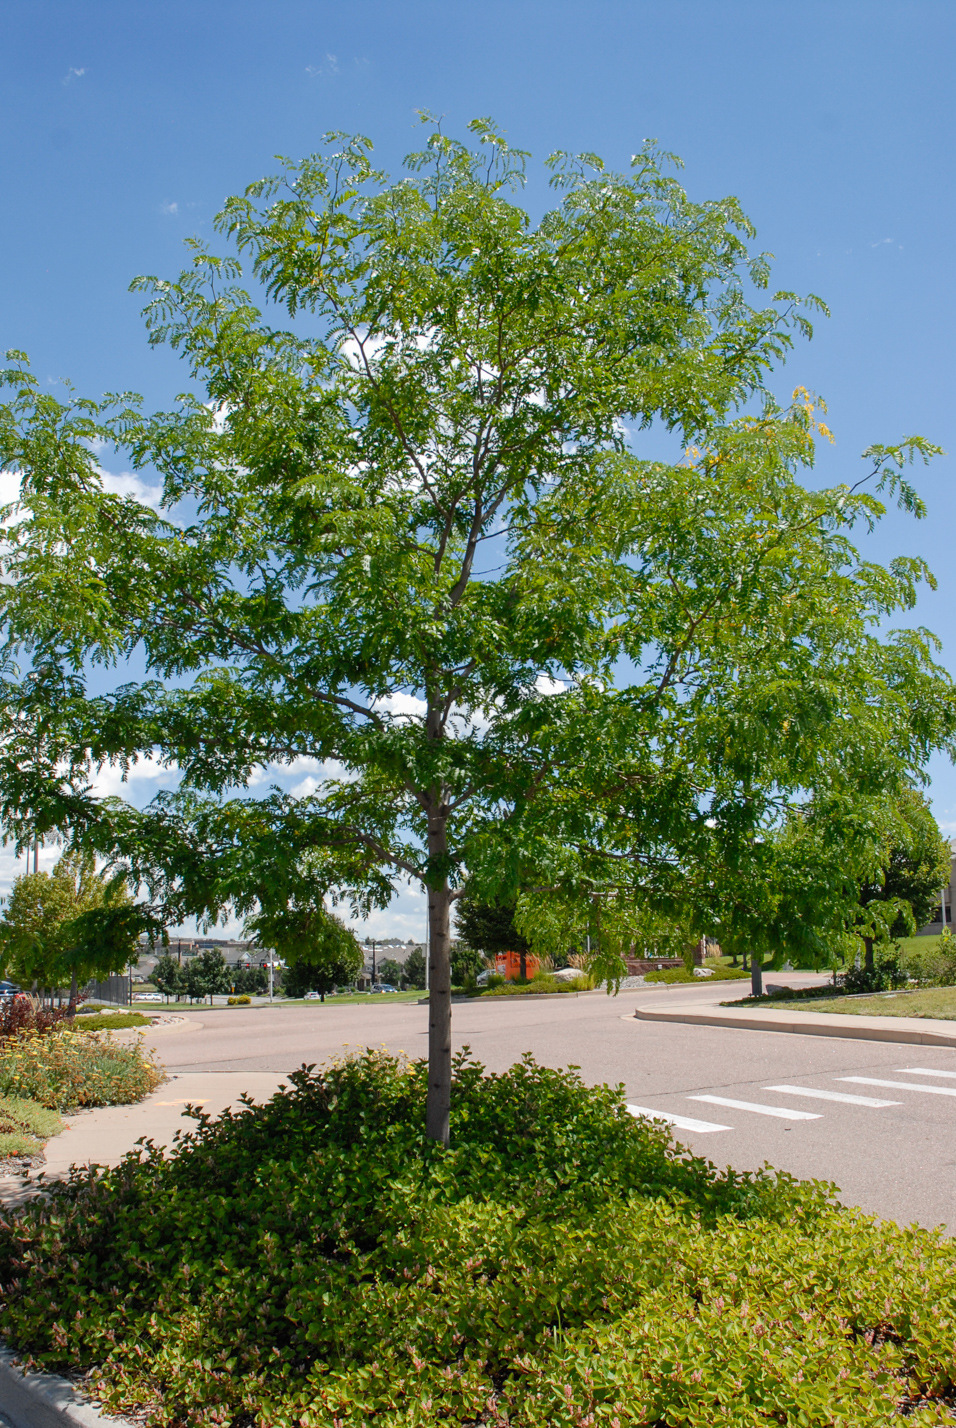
(890, 1149)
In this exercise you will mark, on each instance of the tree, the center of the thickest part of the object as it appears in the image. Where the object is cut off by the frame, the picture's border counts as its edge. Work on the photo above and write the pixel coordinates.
(319, 950)
(391, 972)
(68, 925)
(411, 537)
(206, 975)
(337, 969)
(489, 928)
(466, 963)
(415, 969)
(168, 977)
(916, 863)
(252, 981)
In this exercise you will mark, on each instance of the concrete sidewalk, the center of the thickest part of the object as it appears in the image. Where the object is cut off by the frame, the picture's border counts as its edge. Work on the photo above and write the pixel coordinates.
(103, 1136)
(919, 1031)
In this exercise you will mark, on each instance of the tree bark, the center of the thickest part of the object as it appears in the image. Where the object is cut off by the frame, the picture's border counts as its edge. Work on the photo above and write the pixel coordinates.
(756, 975)
(868, 953)
(438, 1106)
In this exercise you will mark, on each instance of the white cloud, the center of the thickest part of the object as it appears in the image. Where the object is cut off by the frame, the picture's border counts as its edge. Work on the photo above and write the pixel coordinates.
(147, 772)
(171, 209)
(126, 483)
(72, 74)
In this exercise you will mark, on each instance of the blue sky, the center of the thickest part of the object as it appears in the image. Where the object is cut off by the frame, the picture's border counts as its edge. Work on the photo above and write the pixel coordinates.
(125, 125)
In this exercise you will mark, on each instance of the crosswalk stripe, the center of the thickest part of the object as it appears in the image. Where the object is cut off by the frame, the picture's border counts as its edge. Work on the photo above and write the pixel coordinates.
(830, 1096)
(922, 1071)
(681, 1122)
(900, 1085)
(784, 1112)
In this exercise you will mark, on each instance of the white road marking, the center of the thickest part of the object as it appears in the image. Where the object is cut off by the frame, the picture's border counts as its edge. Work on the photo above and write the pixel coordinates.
(922, 1071)
(831, 1096)
(900, 1085)
(783, 1112)
(682, 1122)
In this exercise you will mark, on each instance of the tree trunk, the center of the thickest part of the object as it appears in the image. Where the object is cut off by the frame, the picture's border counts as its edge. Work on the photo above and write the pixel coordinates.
(73, 991)
(868, 953)
(756, 975)
(523, 966)
(438, 1105)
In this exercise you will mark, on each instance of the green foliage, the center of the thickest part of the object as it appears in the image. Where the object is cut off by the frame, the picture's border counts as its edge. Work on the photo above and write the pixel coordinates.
(24, 1126)
(119, 1021)
(393, 972)
(915, 865)
(303, 1262)
(71, 1068)
(68, 925)
(466, 963)
(341, 961)
(206, 975)
(168, 977)
(405, 534)
(931, 962)
(681, 974)
(415, 969)
(540, 985)
(241, 1001)
(488, 927)
(250, 981)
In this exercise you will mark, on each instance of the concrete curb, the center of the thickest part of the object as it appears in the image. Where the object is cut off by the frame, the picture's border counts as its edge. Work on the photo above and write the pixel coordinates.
(804, 1024)
(43, 1400)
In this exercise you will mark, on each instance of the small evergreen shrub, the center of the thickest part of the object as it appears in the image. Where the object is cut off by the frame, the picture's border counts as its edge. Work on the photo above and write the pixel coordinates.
(242, 1001)
(66, 1069)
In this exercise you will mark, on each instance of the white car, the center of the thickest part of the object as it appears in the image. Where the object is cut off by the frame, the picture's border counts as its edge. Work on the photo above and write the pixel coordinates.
(147, 996)
(313, 996)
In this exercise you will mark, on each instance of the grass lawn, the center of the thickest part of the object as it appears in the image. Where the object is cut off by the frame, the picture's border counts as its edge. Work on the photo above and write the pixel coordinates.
(24, 1126)
(936, 1002)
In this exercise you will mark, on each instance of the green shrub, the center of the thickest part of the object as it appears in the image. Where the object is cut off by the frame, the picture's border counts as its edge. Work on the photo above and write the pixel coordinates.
(314, 1262)
(116, 1021)
(69, 1068)
(681, 974)
(24, 1126)
(242, 1001)
(932, 965)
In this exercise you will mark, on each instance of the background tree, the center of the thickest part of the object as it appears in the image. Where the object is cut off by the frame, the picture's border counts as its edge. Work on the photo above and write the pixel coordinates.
(391, 972)
(410, 537)
(488, 927)
(168, 977)
(336, 969)
(250, 981)
(915, 865)
(415, 969)
(69, 925)
(466, 963)
(308, 936)
(206, 975)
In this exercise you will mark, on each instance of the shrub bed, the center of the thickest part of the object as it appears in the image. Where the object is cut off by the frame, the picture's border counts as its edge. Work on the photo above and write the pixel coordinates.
(64, 1069)
(313, 1263)
(538, 986)
(681, 974)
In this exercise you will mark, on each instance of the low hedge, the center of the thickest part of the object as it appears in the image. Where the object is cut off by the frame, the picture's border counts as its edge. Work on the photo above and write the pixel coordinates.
(681, 974)
(64, 1069)
(314, 1263)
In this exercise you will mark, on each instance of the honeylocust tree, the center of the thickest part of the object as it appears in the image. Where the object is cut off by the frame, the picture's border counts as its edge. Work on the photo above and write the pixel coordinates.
(406, 533)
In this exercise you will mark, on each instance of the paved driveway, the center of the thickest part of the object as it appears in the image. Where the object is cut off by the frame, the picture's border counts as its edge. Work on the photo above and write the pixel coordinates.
(811, 1105)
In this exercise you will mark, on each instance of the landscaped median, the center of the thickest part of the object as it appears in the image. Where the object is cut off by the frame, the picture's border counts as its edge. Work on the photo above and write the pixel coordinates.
(315, 1263)
(48, 1066)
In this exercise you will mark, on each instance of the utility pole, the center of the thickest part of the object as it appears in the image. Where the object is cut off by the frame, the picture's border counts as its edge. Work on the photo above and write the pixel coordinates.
(271, 965)
(374, 945)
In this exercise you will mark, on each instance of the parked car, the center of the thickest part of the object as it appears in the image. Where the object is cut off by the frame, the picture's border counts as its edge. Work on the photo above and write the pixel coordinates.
(385, 987)
(313, 996)
(8, 990)
(147, 997)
